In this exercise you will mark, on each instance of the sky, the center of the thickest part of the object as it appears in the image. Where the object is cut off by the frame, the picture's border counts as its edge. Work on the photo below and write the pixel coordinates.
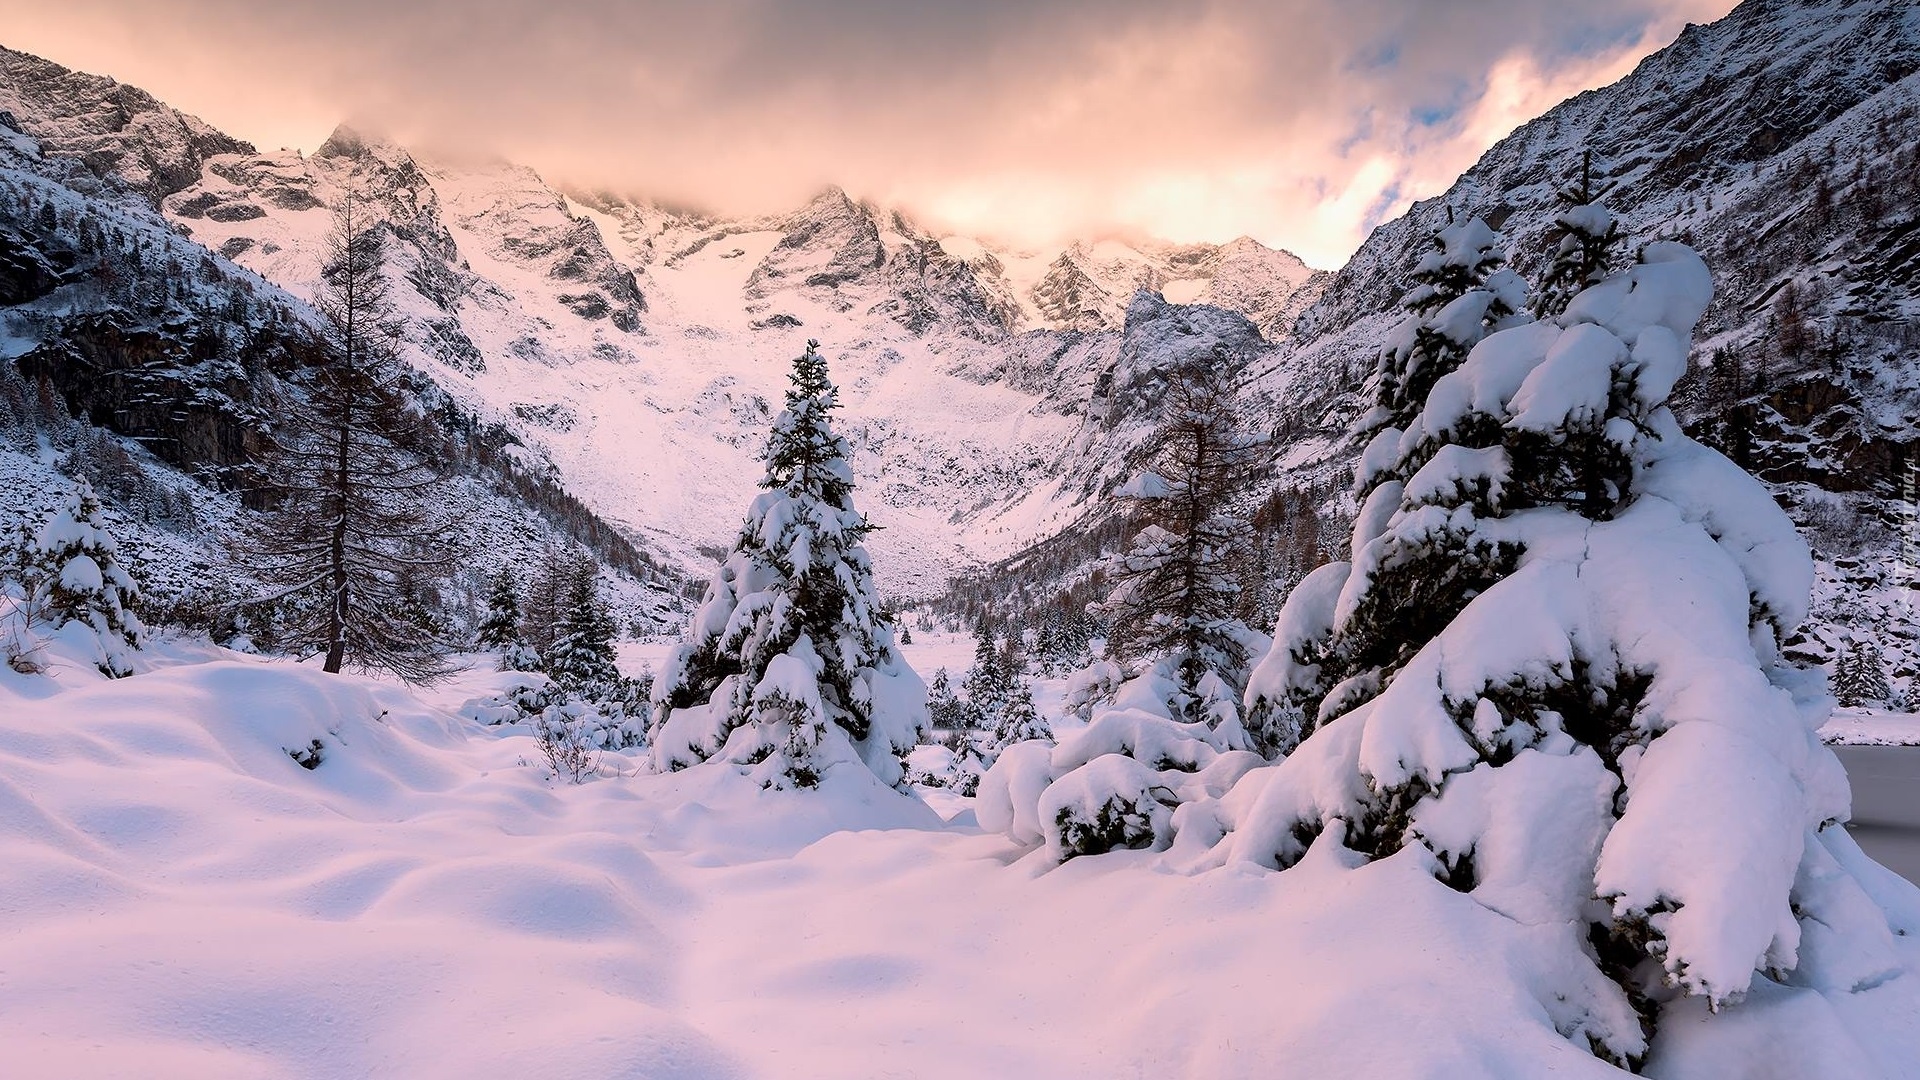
(1301, 123)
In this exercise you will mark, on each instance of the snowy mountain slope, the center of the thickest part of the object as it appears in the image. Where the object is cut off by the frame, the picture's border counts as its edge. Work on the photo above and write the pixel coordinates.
(1784, 143)
(1773, 140)
(113, 129)
(158, 368)
(639, 349)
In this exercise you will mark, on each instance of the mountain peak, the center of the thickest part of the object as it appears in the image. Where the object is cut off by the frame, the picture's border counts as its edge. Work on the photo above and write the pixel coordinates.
(348, 141)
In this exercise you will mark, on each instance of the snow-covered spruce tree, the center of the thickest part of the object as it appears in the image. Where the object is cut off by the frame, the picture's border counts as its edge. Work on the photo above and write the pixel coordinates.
(352, 535)
(1420, 580)
(944, 710)
(501, 627)
(1461, 292)
(984, 690)
(788, 669)
(1860, 676)
(77, 580)
(1595, 728)
(976, 749)
(1020, 722)
(582, 657)
(1586, 248)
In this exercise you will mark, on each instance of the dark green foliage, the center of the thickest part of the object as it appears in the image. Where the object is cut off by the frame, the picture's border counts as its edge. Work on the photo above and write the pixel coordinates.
(1860, 676)
(501, 628)
(1119, 823)
(310, 756)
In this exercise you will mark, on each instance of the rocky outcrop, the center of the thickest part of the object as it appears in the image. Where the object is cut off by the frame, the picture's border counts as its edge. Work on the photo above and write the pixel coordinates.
(831, 242)
(116, 131)
(143, 382)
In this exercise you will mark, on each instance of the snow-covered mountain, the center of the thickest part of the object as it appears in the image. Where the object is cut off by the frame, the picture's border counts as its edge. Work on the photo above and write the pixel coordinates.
(993, 394)
(990, 391)
(135, 356)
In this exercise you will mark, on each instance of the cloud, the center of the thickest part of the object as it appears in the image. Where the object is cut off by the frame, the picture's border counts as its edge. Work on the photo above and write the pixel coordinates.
(1300, 122)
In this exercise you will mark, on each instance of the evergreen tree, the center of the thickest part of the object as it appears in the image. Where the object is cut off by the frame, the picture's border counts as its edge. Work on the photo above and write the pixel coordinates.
(986, 683)
(944, 710)
(1176, 588)
(501, 628)
(1860, 676)
(1020, 722)
(353, 532)
(1585, 250)
(789, 667)
(582, 656)
(1590, 690)
(75, 576)
(1418, 581)
(1460, 294)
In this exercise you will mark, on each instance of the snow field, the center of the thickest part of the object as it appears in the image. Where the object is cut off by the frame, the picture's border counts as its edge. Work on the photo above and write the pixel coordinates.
(183, 900)
(1871, 727)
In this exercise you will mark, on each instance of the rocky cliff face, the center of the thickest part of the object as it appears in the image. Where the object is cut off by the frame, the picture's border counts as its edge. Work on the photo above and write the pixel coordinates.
(120, 133)
(128, 347)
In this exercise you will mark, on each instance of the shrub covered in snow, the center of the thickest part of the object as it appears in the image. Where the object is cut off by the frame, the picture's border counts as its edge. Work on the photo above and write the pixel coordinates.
(1551, 662)
(1116, 783)
(77, 581)
(789, 666)
(613, 721)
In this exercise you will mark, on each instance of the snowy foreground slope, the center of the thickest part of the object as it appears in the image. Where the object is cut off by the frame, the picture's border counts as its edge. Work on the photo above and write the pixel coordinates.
(182, 900)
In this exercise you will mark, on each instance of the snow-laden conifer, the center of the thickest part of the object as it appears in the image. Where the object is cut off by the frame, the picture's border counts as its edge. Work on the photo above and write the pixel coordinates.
(1587, 245)
(1461, 292)
(76, 578)
(1020, 721)
(1417, 580)
(1860, 676)
(501, 627)
(1564, 687)
(944, 710)
(789, 669)
(987, 685)
(582, 656)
